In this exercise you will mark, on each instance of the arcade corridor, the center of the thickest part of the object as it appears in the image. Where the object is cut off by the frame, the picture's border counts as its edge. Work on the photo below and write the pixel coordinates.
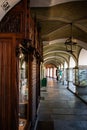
(60, 109)
(39, 39)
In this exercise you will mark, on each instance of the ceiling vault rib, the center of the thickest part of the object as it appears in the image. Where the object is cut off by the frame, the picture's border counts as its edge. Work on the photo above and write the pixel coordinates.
(57, 57)
(45, 18)
(81, 27)
(58, 29)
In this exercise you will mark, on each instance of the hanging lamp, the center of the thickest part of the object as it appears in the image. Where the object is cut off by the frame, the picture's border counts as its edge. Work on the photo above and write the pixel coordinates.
(70, 43)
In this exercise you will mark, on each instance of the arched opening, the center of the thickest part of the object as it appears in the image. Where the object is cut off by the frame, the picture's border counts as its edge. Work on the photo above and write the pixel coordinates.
(72, 64)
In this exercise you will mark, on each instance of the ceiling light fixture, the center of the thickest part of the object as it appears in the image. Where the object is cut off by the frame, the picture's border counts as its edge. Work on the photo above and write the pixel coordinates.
(70, 43)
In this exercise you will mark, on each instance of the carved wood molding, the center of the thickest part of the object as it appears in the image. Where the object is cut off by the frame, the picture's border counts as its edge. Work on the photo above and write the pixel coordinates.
(11, 23)
(27, 49)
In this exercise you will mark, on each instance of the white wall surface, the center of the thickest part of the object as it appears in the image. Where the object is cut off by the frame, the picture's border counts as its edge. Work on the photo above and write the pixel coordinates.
(82, 57)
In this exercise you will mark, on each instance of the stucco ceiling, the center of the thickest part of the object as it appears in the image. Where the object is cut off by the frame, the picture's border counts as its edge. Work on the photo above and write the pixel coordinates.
(55, 18)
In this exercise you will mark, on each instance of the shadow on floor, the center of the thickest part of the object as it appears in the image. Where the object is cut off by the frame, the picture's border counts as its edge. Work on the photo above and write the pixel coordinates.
(45, 125)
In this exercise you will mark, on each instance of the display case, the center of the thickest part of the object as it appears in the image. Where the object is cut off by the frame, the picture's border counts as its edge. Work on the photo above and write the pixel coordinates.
(80, 76)
(23, 91)
(70, 71)
(75, 76)
(67, 74)
(83, 77)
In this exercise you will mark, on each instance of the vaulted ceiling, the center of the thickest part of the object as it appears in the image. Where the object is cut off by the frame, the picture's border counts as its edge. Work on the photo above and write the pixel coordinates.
(55, 18)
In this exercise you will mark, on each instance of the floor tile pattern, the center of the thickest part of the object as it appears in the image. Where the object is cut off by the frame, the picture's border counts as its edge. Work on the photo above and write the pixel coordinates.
(60, 109)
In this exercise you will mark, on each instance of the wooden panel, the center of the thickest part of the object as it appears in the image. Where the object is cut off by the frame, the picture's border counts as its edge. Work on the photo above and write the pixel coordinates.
(14, 23)
(33, 89)
(8, 86)
(1, 94)
(31, 30)
(37, 84)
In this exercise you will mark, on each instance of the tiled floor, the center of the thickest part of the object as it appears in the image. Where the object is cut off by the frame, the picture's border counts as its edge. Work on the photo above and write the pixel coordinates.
(60, 109)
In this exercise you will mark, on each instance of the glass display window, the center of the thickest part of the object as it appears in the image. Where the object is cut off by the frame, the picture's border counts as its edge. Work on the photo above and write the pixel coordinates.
(76, 76)
(23, 91)
(80, 76)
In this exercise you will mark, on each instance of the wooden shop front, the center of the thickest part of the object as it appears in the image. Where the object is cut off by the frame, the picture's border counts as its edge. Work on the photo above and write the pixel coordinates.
(20, 57)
